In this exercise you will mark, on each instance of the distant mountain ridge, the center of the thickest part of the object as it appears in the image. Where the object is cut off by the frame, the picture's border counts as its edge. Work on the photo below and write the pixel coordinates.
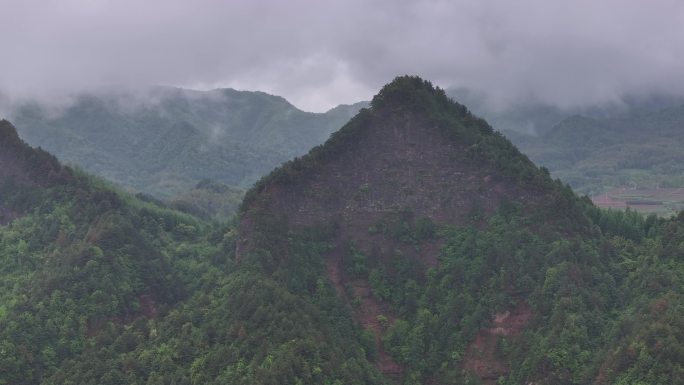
(638, 148)
(532, 117)
(164, 140)
(636, 141)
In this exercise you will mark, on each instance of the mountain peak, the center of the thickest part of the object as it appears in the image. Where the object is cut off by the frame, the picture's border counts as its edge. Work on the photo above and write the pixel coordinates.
(416, 94)
(413, 151)
(410, 122)
(409, 90)
(380, 186)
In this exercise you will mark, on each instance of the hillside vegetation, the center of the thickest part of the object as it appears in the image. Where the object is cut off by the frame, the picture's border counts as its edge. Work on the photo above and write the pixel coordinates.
(99, 287)
(416, 246)
(464, 261)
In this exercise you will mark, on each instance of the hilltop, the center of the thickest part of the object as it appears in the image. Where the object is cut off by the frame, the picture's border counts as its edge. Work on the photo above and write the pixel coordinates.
(413, 151)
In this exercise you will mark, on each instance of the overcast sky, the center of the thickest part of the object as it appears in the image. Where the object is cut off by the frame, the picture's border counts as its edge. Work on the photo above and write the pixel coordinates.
(321, 53)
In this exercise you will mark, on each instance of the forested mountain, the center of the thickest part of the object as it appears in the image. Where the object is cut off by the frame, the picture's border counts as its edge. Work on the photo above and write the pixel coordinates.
(23, 173)
(83, 267)
(463, 261)
(163, 141)
(416, 246)
(635, 142)
(641, 148)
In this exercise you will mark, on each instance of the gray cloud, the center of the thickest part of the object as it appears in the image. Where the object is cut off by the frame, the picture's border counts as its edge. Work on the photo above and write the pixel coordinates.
(321, 53)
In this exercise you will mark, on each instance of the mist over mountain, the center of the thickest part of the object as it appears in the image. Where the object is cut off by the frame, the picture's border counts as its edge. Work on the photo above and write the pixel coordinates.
(536, 117)
(254, 193)
(563, 54)
(417, 245)
(635, 141)
(164, 140)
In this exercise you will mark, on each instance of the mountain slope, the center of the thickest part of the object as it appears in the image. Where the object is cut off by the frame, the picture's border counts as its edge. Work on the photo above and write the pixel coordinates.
(460, 259)
(98, 287)
(531, 117)
(78, 260)
(380, 193)
(24, 171)
(163, 141)
(338, 273)
(411, 144)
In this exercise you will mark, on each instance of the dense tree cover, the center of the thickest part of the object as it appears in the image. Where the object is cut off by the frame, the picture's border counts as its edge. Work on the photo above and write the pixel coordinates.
(100, 287)
(561, 261)
(411, 96)
(81, 260)
(162, 141)
(132, 293)
(605, 308)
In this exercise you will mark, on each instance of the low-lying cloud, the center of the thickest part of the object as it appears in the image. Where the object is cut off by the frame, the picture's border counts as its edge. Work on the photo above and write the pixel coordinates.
(319, 54)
